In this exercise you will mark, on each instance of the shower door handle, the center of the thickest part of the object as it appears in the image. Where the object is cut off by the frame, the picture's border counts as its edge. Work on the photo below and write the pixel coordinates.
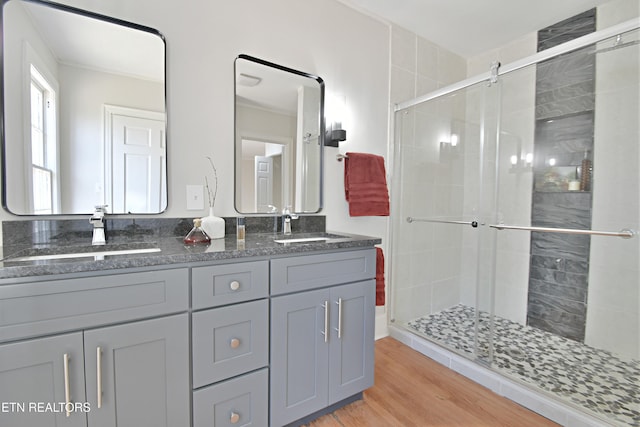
(624, 233)
(411, 219)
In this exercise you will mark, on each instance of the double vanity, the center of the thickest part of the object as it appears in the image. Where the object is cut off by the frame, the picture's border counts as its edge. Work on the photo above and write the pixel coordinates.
(145, 331)
(156, 333)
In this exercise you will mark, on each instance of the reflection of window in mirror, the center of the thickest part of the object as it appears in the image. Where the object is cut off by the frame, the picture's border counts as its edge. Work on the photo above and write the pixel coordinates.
(43, 143)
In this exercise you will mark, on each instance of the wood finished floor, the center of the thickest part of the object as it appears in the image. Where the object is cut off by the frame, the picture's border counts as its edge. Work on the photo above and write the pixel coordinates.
(413, 390)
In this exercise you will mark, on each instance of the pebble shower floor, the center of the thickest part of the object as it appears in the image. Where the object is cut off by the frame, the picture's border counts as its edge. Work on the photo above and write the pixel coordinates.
(597, 380)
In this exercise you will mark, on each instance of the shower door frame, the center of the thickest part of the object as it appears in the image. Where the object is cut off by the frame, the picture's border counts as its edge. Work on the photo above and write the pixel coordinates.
(492, 76)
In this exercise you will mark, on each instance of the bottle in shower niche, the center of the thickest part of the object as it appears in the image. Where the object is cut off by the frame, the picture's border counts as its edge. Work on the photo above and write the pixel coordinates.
(197, 235)
(585, 173)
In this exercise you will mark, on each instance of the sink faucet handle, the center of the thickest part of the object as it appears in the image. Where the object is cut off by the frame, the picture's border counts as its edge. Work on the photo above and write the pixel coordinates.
(287, 211)
(101, 208)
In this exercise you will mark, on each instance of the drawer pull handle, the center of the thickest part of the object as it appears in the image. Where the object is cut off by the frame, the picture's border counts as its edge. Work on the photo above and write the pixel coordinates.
(326, 321)
(339, 328)
(67, 387)
(99, 376)
(234, 286)
(234, 343)
(235, 417)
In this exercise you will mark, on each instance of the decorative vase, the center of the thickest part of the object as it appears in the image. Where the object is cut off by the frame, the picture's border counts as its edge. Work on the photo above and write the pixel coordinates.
(213, 225)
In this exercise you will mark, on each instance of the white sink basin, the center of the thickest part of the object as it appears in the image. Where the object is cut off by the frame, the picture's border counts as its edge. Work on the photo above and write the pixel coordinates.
(313, 237)
(303, 240)
(96, 254)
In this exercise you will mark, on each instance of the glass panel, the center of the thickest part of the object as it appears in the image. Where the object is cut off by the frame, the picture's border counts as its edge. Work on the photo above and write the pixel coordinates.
(553, 146)
(37, 126)
(567, 307)
(42, 193)
(437, 182)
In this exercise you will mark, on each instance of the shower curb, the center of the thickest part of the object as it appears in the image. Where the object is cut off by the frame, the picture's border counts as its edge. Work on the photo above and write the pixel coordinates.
(544, 405)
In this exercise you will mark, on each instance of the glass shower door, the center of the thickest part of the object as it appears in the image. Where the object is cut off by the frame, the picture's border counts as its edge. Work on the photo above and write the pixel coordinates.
(437, 202)
(567, 276)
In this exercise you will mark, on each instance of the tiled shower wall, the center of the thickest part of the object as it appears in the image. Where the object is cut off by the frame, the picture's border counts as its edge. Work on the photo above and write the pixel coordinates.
(559, 265)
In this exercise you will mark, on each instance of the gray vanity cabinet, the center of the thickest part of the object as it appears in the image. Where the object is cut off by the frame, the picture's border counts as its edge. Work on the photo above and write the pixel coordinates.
(142, 365)
(322, 340)
(125, 363)
(137, 374)
(34, 371)
(230, 344)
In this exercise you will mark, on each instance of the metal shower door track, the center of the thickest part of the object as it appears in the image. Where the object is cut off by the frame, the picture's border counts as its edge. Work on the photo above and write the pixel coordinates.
(569, 46)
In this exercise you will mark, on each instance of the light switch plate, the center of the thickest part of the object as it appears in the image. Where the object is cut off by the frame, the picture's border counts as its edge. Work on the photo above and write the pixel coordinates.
(195, 197)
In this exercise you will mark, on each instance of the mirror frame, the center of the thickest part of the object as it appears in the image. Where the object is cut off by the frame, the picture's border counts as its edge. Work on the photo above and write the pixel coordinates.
(321, 136)
(3, 142)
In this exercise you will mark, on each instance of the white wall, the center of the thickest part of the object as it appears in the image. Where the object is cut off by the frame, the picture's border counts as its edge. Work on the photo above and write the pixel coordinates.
(81, 127)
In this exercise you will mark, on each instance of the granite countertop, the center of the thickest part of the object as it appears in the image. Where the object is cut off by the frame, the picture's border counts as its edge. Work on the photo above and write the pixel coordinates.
(172, 251)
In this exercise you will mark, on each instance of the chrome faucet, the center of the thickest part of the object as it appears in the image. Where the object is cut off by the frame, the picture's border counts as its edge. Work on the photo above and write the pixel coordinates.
(97, 219)
(287, 216)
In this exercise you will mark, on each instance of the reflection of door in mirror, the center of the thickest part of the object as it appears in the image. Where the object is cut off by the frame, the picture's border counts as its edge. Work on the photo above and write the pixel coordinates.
(60, 66)
(134, 160)
(264, 175)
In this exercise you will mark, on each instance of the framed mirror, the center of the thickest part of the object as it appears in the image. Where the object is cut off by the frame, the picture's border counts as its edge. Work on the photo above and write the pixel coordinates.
(279, 136)
(83, 112)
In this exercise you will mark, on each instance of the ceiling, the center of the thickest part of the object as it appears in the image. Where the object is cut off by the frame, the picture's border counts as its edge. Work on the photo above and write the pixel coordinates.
(99, 45)
(470, 27)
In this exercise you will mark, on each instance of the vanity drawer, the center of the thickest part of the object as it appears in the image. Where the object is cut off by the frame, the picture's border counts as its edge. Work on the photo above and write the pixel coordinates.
(229, 283)
(314, 271)
(229, 341)
(54, 306)
(242, 401)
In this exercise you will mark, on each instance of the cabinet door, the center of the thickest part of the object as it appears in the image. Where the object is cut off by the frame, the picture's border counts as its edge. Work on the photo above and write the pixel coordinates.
(299, 355)
(143, 373)
(351, 356)
(33, 375)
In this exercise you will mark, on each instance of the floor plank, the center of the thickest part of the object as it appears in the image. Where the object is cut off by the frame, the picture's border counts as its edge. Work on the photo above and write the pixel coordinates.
(413, 390)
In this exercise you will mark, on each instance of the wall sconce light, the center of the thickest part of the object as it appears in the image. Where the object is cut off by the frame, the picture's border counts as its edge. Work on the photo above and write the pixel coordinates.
(521, 161)
(334, 134)
(336, 108)
(451, 145)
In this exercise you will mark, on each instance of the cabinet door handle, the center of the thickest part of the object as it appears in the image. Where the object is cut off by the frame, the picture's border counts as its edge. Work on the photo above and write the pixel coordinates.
(326, 321)
(99, 375)
(67, 386)
(234, 343)
(234, 286)
(235, 417)
(339, 328)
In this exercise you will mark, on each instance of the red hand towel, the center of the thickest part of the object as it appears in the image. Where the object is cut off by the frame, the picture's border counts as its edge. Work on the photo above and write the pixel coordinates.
(365, 185)
(380, 296)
